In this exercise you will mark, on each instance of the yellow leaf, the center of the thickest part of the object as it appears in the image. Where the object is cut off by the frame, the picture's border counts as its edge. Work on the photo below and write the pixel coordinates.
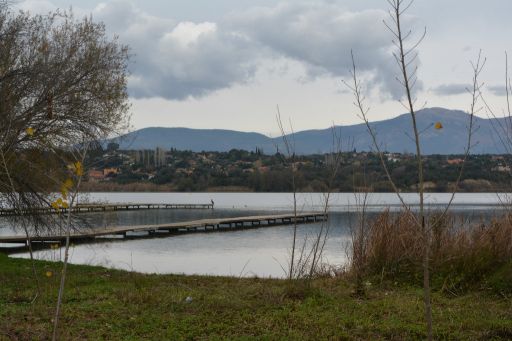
(66, 186)
(68, 183)
(64, 191)
(55, 205)
(77, 168)
(30, 131)
(49, 274)
(438, 125)
(65, 204)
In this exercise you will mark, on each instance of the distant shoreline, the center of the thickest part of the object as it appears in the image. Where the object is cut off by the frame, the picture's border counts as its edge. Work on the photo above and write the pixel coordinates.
(140, 187)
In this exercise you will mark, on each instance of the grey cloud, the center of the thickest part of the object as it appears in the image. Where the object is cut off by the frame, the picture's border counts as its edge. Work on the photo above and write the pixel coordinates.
(497, 90)
(451, 89)
(321, 36)
(178, 60)
(182, 66)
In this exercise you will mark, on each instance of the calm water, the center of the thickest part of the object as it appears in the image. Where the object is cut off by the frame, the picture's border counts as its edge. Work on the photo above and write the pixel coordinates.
(261, 252)
(307, 201)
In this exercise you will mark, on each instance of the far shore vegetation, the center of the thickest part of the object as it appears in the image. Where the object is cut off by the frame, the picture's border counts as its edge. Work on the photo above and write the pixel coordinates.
(253, 171)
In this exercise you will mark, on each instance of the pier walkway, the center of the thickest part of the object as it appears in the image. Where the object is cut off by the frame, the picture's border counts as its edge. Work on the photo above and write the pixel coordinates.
(130, 232)
(84, 208)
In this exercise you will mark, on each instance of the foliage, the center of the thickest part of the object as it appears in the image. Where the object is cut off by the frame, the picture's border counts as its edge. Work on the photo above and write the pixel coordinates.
(202, 171)
(62, 83)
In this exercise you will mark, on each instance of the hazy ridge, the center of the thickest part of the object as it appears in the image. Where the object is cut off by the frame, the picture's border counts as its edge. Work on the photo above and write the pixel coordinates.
(393, 134)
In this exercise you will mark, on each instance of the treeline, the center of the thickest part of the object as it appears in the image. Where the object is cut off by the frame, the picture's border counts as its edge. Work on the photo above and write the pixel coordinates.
(241, 170)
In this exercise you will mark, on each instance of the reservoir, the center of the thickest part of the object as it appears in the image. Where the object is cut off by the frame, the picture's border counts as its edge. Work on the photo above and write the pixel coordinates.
(262, 252)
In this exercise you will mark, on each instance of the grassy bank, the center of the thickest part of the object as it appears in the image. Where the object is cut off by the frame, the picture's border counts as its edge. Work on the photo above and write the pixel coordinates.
(109, 304)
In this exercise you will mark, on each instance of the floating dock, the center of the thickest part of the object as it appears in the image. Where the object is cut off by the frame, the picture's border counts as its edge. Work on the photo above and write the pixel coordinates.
(85, 208)
(145, 231)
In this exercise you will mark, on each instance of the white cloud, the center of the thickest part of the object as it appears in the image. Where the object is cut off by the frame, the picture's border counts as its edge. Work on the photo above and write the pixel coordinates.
(321, 37)
(187, 33)
(178, 60)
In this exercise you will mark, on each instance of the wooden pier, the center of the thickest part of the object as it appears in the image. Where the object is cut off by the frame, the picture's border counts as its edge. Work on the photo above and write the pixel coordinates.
(141, 231)
(85, 208)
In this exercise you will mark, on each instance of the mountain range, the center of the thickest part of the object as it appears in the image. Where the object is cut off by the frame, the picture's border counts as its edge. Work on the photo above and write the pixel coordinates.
(393, 135)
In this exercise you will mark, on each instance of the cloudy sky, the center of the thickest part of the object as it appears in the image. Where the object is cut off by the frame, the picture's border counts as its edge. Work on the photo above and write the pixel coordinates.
(229, 63)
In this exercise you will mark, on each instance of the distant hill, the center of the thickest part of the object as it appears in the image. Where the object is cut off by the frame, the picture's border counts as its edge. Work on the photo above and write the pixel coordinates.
(394, 135)
(191, 139)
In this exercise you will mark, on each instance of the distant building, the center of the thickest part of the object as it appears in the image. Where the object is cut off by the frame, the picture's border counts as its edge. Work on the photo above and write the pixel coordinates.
(144, 157)
(95, 174)
(391, 157)
(151, 158)
(160, 157)
(455, 161)
(501, 168)
(110, 171)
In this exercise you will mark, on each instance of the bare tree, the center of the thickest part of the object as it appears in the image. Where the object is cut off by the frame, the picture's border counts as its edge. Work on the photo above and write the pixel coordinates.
(358, 236)
(61, 81)
(290, 158)
(62, 86)
(70, 195)
(19, 220)
(405, 57)
(305, 259)
(333, 161)
(502, 124)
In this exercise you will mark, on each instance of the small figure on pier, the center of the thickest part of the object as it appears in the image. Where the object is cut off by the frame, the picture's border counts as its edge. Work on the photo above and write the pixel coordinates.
(213, 203)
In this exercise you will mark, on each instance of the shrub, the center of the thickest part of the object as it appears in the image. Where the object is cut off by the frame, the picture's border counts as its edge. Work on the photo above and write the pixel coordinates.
(463, 255)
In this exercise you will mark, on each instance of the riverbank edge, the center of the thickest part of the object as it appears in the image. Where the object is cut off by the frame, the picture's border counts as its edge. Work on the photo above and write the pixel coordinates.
(183, 307)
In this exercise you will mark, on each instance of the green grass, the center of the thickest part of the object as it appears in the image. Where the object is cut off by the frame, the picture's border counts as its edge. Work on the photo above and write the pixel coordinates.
(114, 305)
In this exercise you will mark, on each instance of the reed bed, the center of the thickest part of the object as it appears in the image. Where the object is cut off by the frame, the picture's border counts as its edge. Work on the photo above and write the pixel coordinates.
(464, 254)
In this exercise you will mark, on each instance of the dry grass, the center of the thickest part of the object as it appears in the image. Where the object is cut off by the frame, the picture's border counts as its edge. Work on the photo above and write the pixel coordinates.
(463, 255)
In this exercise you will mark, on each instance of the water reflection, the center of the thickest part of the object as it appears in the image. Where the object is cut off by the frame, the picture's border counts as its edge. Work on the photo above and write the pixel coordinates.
(254, 252)
(259, 252)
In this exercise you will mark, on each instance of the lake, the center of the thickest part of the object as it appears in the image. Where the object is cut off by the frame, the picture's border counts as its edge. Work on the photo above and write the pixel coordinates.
(262, 252)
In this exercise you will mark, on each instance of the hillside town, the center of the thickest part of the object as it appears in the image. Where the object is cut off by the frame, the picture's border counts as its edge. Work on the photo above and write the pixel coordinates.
(239, 170)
